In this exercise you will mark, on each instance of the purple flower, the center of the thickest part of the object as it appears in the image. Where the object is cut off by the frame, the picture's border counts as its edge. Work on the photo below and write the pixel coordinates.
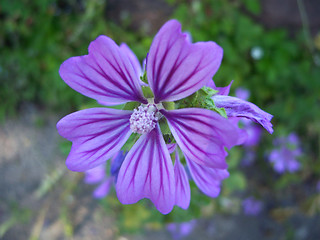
(98, 175)
(284, 155)
(175, 69)
(180, 230)
(251, 206)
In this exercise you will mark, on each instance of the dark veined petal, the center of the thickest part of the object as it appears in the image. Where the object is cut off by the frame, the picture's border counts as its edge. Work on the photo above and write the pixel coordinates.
(183, 194)
(176, 68)
(236, 107)
(147, 172)
(97, 134)
(106, 74)
(207, 179)
(133, 59)
(202, 135)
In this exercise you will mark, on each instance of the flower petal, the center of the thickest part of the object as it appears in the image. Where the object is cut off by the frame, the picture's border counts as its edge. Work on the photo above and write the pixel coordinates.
(95, 175)
(236, 107)
(183, 194)
(207, 179)
(176, 68)
(242, 133)
(222, 90)
(97, 134)
(116, 163)
(103, 189)
(106, 74)
(171, 147)
(202, 135)
(133, 59)
(147, 172)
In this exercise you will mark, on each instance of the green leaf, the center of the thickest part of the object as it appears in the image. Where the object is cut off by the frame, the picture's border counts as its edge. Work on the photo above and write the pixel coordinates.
(147, 92)
(130, 105)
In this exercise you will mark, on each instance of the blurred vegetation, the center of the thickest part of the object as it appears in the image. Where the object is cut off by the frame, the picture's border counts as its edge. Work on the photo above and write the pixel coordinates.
(281, 72)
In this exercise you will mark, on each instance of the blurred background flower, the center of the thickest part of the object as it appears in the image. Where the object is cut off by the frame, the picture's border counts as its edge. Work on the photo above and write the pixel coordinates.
(285, 154)
(252, 206)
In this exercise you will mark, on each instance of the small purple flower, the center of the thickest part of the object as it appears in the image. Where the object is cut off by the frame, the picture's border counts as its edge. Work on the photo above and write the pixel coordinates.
(175, 69)
(284, 155)
(98, 175)
(180, 230)
(251, 206)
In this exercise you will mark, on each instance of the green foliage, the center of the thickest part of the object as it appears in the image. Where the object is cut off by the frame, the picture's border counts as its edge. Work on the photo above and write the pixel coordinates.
(38, 37)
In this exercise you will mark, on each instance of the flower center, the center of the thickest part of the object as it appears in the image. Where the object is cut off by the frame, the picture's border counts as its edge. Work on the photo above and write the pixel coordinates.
(144, 119)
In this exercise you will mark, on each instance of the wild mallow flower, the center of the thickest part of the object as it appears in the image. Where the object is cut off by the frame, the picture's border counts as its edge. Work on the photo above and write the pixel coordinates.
(162, 105)
(285, 153)
(181, 230)
(97, 175)
(252, 206)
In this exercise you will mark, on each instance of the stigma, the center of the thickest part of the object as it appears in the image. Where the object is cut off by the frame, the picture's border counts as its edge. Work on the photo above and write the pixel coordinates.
(144, 119)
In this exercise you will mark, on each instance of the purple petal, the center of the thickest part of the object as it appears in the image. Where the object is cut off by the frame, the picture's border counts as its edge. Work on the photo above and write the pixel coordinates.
(116, 163)
(211, 84)
(97, 134)
(171, 147)
(133, 59)
(188, 36)
(222, 90)
(147, 172)
(207, 179)
(254, 134)
(182, 184)
(242, 133)
(103, 189)
(106, 74)
(95, 175)
(202, 135)
(176, 68)
(236, 107)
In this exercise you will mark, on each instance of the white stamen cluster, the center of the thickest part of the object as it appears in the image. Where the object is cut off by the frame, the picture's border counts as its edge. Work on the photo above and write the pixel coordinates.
(143, 119)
